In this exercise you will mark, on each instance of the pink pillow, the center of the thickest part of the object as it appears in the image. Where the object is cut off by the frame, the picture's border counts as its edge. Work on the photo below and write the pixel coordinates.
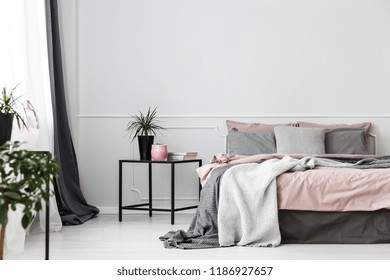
(366, 126)
(254, 127)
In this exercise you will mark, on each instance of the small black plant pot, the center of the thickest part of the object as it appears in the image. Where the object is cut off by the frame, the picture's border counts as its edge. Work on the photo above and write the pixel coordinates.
(145, 147)
(5, 127)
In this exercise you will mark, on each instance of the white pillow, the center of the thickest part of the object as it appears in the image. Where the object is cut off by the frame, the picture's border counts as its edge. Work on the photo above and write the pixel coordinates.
(299, 140)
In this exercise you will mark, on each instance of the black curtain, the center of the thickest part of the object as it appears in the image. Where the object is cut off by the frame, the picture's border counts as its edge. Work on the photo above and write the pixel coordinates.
(72, 206)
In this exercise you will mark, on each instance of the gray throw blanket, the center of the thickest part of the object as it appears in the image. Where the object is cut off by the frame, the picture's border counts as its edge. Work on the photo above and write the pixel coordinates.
(203, 231)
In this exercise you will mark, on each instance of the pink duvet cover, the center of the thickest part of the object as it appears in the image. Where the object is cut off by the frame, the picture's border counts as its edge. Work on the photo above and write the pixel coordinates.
(321, 189)
(334, 189)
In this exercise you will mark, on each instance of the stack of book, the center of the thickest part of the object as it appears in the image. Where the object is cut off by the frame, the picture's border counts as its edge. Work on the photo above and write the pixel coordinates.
(182, 156)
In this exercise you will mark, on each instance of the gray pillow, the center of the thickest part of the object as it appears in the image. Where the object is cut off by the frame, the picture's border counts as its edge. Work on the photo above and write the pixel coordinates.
(345, 141)
(300, 140)
(243, 143)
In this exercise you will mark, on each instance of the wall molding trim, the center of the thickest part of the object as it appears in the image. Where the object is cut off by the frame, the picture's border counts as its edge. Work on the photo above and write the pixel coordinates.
(104, 116)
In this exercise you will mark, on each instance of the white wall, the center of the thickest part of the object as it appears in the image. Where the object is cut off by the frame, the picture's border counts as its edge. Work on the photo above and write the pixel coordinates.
(204, 61)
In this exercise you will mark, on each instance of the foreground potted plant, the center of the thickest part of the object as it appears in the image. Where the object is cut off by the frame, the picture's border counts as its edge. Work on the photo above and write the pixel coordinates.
(8, 112)
(24, 179)
(145, 127)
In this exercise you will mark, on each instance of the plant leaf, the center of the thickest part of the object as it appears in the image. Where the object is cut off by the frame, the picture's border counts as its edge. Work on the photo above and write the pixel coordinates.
(26, 219)
(12, 195)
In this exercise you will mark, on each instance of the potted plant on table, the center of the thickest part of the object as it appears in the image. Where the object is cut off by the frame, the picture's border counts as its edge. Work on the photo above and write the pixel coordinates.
(145, 127)
(8, 111)
(24, 179)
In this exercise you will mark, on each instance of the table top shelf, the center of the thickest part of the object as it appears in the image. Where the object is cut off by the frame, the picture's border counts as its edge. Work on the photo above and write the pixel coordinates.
(161, 161)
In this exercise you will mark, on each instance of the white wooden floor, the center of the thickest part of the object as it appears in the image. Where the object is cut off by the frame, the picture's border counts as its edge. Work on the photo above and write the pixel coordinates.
(104, 238)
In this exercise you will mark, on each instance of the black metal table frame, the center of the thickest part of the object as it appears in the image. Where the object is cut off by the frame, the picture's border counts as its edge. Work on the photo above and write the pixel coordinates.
(47, 226)
(150, 203)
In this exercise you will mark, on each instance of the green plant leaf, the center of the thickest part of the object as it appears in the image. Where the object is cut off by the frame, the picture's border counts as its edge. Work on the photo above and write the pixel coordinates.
(38, 206)
(26, 219)
(12, 195)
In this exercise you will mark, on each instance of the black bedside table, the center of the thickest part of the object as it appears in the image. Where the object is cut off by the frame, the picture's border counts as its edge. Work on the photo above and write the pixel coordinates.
(149, 204)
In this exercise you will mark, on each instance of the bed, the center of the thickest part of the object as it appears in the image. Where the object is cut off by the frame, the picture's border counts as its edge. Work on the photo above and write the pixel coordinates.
(291, 183)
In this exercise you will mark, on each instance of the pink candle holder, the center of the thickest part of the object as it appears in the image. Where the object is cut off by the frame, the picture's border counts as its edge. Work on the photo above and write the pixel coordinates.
(159, 152)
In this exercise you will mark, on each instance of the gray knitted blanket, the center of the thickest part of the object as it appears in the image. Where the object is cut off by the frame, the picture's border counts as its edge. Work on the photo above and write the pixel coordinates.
(204, 230)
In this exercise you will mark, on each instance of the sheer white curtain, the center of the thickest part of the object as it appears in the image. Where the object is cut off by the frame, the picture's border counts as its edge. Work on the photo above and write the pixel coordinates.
(24, 60)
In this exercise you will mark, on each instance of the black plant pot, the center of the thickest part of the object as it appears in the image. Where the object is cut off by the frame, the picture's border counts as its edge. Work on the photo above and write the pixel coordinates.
(5, 127)
(145, 147)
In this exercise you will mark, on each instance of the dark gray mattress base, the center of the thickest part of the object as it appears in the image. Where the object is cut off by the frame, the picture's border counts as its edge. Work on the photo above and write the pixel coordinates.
(335, 227)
